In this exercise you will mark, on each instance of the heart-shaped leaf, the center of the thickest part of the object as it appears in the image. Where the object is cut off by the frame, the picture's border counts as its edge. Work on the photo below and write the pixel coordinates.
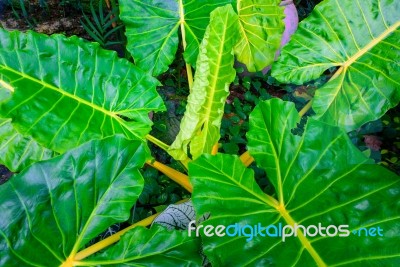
(361, 39)
(53, 208)
(152, 29)
(68, 91)
(320, 179)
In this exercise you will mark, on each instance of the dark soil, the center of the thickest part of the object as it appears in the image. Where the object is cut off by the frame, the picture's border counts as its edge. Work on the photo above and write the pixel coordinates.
(53, 18)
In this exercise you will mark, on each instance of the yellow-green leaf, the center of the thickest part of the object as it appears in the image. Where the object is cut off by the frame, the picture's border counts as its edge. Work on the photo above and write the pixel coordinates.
(200, 126)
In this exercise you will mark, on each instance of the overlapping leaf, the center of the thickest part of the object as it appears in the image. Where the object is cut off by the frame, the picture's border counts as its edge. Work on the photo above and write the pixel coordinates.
(151, 247)
(261, 28)
(53, 208)
(68, 91)
(201, 123)
(320, 178)
(17, 151)
(361, 39)
(176, 216)
(152, 29)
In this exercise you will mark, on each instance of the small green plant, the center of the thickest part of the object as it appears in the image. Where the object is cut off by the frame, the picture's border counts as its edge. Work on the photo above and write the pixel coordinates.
(103, 27)
(83, 114)
(22, 9)
(389, 140)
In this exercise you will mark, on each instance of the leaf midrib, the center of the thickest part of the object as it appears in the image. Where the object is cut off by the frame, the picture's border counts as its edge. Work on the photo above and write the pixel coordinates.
(65, 93)
(303, 239)
(370, 45)
(276, 161)
(214, 88)
(74, 97)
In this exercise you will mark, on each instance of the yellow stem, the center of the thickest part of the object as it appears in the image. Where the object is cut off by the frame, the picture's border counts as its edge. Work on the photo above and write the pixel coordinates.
(112, 239)
(157, 142)
(69, 262)
(165, 147)
(173, 174)
(214, 150)
(246, 158)
(305, 108)
(189, 75)
(183, 33)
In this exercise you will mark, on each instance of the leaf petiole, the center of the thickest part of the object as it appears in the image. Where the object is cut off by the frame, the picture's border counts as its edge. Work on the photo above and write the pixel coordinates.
(111, 239)
(157, 142)
(183, 33)
(173, 174)
(114, 238)
(246, 158)
(305, 108)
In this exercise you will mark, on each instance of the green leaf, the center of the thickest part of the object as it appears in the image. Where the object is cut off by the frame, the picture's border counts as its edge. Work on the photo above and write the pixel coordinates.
(53, 208)
(200, 126)
(319, 178)
(152, 29)
(361, 39)
(261, 29)
(17, 151)
(68, 91)
(151, 247)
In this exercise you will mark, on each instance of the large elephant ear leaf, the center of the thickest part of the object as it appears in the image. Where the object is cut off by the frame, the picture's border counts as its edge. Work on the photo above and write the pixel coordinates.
(17, 151)
(261, 29)
(152, 29)
(361, 39)
(68, 91)
(320, 179)
(53, 208)
(157, 245)
(200, 126)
